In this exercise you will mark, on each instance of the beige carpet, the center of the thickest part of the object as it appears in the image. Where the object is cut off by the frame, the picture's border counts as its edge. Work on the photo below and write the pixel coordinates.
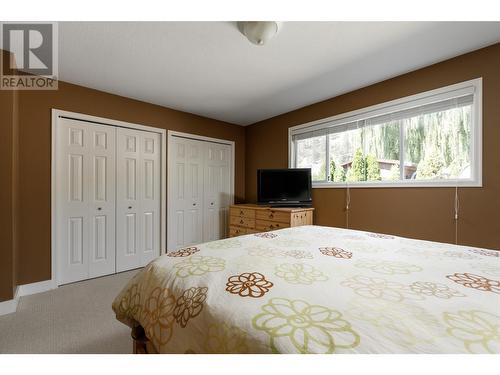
(75, 318)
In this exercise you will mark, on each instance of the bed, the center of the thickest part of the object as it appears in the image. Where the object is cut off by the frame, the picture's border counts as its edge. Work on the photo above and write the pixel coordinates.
(315, 289)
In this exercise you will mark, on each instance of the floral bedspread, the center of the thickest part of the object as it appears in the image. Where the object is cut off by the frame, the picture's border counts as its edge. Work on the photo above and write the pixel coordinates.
(316, 289)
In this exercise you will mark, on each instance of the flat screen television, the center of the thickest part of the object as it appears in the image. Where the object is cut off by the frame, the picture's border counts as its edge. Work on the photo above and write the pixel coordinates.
(284, 187)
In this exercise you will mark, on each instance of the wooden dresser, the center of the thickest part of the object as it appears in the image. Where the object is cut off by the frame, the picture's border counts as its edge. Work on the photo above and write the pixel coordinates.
(251, 218)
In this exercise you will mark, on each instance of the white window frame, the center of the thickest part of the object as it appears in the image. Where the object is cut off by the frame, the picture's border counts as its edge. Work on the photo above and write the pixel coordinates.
(473, 86)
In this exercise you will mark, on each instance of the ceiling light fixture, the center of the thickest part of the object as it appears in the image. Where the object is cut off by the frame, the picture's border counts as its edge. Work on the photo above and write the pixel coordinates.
(259, 32)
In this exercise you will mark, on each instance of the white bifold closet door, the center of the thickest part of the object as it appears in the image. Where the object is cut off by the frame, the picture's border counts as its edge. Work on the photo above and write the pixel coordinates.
(200, 191)
(216, 190)
(186, 184)
(137, 198)
(85, 193)
(108, 199)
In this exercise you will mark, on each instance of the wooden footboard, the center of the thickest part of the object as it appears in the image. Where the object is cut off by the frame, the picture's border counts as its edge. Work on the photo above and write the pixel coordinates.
(142, 344)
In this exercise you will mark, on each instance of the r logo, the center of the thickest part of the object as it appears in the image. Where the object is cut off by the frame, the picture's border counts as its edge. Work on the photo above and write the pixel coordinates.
(31, 45)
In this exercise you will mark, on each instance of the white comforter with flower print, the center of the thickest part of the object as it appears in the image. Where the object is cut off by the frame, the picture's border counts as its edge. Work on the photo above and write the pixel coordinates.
(315, 289)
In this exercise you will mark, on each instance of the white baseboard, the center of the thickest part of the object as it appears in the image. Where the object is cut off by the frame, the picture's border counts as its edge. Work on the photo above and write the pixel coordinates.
(10, 306)
(40, 287)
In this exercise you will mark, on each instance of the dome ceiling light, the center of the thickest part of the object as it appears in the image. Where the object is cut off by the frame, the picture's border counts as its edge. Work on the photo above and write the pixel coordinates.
(259, 32)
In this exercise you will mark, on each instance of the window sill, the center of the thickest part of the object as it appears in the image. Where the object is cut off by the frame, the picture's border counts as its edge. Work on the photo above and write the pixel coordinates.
(398, 184)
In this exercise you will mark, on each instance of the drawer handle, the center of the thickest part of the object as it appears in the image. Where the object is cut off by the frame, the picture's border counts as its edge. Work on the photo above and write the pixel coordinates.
(241, 213)
(241, 221)
(271, 216)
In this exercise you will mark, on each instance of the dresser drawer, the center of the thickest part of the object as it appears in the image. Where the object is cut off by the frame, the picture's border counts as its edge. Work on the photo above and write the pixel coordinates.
(282, 217)
(236, 231)
(301, 218)
(265, 225)
(242, 221)
(242, 212)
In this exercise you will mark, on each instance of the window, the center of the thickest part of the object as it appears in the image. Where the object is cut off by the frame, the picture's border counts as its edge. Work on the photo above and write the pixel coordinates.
(429, 139)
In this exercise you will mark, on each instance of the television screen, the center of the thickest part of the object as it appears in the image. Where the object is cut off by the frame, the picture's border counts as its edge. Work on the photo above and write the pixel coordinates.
(284, 186)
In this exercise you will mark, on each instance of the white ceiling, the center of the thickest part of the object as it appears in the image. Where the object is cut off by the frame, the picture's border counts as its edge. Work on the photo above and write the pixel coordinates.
(210, 69)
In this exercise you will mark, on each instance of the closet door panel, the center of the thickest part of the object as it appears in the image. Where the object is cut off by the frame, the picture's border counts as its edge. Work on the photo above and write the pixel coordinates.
(72, 201)
(102, 201)
(210, 224)
(85, 200)
(217, 190)
(177, 156)
(150, 196)
(186, 195)
(194, 205)
(128, 206)
(138, 198)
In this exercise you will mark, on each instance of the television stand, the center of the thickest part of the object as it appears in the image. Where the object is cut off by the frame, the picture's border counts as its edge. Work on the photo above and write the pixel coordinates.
(253, 218)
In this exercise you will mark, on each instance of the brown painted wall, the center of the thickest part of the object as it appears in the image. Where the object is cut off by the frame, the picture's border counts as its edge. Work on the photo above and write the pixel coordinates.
(34, 257)
(425, 213)
(8, 196)
(6, 233)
